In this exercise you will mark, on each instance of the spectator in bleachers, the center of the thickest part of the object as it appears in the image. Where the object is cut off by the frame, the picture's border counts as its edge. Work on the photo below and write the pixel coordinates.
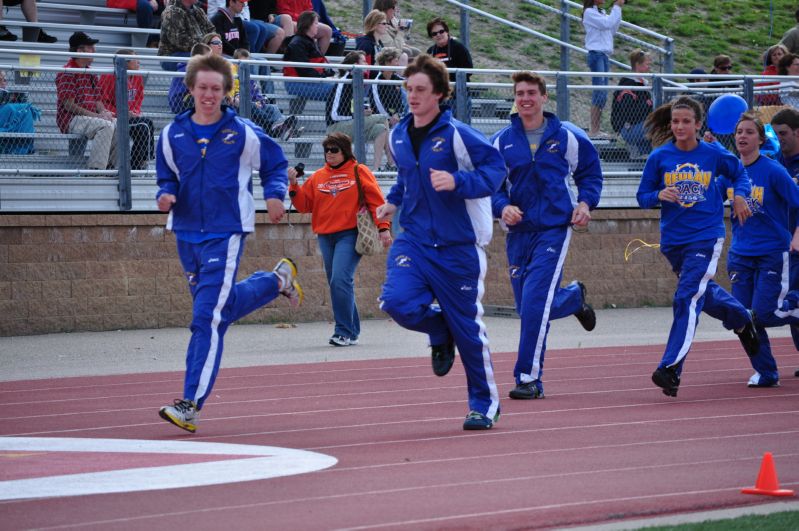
(294, 8)
(261, 36)
(80, 107)
(771, 60)
(600, 28)
(146, 11)
(265, 114)
(141, 128)
(339, 114)
(230, 27)
(338, 41)
(31, 14)
(266, 10)
(388, 100)
(179, 97)
(183, 24)
(630, 108)
(395, 34)
(791, 37)
(303, 49)
(374, 27)
(16, 116)
(789, 91)
(447, 49)
(722, 64)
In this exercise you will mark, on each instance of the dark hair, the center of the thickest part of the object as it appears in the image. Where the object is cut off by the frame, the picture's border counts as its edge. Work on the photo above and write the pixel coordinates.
(436, 21)
(434, 69)
(658, 123)
(305, 21)
(384, 5)
(796, 15)
(587, 4)
(200, 48)
(789, 117)
(785, 62)
(209, 63)
(352, 58)
(529, 77)
(341, 141)
(767, 56)
(387, 54)
(719, 60)
(752, 117)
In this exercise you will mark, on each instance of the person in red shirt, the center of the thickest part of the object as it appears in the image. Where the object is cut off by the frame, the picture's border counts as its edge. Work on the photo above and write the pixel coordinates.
(80, 109)
(141, 128)
(331, 194)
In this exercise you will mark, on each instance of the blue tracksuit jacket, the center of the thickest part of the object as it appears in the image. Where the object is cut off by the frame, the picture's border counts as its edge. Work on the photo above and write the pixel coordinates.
(212, 195)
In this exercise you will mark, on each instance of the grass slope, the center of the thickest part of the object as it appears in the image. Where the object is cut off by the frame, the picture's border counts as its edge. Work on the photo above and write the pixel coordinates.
(742, 29)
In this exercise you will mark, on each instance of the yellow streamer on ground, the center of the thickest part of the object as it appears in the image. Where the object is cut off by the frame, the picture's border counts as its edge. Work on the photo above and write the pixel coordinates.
(628, 253)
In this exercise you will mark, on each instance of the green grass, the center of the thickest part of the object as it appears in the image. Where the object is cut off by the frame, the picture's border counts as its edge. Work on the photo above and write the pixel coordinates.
(784, 521)
(739, 28)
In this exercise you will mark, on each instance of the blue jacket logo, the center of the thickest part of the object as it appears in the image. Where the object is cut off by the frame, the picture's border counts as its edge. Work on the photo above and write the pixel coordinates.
(437, 143)
(230, 136)
(553, 145)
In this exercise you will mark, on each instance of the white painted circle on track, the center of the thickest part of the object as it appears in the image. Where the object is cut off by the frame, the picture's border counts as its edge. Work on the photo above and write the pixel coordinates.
(250, 464)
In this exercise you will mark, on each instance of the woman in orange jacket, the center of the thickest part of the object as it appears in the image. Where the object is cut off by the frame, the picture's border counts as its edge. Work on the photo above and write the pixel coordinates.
(331, 194)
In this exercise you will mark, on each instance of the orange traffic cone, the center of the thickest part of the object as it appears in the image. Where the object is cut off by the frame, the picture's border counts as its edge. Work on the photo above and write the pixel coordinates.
(767, 483)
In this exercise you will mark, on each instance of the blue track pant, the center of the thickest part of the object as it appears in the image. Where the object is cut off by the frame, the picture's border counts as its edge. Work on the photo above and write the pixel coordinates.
(536, 268)
(452, 275)
(210, 268)
(695, 264)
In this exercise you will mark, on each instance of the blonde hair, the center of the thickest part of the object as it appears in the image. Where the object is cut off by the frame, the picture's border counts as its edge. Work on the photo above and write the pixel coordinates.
(372, 20)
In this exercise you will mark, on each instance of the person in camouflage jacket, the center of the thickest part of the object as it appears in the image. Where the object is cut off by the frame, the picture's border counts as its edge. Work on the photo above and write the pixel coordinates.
(183, 24)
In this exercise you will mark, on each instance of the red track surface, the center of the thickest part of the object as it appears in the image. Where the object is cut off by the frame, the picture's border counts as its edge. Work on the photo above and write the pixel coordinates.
(605, 444)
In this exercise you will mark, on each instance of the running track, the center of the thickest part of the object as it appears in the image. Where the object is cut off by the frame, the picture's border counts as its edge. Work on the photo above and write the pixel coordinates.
(605, 445)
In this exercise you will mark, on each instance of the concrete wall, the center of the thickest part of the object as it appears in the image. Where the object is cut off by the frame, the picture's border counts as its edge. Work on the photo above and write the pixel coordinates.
(80, 272)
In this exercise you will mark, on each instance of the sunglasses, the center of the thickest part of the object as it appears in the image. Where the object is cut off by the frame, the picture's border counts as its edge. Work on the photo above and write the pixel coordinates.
(436, 33)
(216, 43)
(333, 150)
(725, 67)
(383, 23)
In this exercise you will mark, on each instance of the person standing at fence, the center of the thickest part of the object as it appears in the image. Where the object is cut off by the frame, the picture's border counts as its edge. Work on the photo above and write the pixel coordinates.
(447, 174)
(758, 259)
(204, 166)
(630, 108)
(141, 128)
(80, 107)
(538, 209)
(183, 24)
(600, 28)
(332, 195)
(786, 127)
(680, 176)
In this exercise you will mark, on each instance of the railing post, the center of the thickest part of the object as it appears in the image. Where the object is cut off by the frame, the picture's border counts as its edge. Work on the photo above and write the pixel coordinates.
(358, 94)
(122, 133)
(366, 8)
(657, 92)
(462, 98)
(562, 90)
(749, 91)
(668, 62)
(465, 25)
(565, 36)
(245, 92)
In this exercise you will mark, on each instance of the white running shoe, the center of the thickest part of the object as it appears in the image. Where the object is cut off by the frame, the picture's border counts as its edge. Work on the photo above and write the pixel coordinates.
(286, 270)
(183, 414)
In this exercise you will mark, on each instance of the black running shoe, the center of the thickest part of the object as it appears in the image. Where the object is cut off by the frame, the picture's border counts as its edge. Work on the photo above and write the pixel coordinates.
(667, 379)
(443, 356)
(527, 391)
(586, 314)
(748, 337)
(6, 35)
(477, 421)
(44, 37)
(796, 373)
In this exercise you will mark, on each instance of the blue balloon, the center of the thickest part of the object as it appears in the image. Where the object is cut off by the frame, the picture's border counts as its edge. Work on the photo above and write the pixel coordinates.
(724, 113)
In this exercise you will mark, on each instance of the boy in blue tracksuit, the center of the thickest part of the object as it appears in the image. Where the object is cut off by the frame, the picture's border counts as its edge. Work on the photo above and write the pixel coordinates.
(447, 173)
(680, 176)
(786, 125)
(205, 160)
(537, 207)
(758, 261)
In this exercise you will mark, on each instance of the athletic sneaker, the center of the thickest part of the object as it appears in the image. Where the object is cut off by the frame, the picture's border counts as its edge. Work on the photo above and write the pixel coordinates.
(341, 341)
(286, 270)
(477, 421)
(353, 341)
(45, 37)
(528, 391)
(748, 337)
(6, 35)
(757, 380)
(796, 373)
(586, 314)
(183, 414)
(443, 356)
(666, 378)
